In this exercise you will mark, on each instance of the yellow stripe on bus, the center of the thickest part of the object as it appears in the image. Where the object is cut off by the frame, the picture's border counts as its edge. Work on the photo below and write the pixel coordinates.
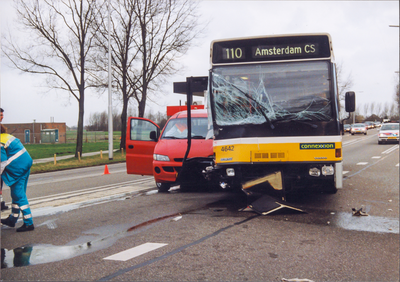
(278, 152)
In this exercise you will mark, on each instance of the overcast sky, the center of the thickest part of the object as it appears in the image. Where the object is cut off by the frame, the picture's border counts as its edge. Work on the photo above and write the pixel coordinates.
(363, 43)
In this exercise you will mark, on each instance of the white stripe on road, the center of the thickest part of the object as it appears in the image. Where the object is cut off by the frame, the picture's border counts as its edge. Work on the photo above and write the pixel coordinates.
(345, 171)
(391, 149)
(376, 157)
(362, 163)
(135, 252)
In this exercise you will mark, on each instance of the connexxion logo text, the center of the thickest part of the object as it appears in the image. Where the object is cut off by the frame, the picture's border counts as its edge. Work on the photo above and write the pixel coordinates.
(310, 146)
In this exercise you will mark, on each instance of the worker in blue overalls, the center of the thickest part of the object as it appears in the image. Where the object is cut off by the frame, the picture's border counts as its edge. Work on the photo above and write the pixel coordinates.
(15, 169)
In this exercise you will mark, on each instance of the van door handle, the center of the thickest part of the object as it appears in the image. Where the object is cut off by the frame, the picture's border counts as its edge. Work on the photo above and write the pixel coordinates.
(130, 146)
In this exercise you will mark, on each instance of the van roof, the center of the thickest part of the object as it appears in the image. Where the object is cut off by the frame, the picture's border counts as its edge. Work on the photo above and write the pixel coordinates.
(194, 113)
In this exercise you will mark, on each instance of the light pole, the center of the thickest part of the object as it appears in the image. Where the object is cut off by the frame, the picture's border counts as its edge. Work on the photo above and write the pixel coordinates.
(110, 117)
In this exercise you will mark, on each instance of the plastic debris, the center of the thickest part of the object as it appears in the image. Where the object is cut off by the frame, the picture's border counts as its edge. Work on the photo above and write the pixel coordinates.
(177, 218)
(297, 280)
(267, 204)
(359, 212)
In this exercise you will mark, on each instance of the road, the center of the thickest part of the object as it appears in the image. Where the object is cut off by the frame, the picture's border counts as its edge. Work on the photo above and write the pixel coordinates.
(91, 226)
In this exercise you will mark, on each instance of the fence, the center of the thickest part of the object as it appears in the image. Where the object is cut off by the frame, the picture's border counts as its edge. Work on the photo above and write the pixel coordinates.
(92, 136)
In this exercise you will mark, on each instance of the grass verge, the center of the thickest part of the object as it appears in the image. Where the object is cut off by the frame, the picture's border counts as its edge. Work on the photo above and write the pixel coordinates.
(40, 151)
(75, 163)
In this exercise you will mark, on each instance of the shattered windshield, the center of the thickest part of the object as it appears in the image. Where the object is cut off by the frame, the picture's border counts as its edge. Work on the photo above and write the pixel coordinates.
(177, 128)
(255, 94)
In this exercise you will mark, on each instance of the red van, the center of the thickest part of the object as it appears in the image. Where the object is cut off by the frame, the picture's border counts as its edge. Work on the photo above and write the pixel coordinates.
(150, 153)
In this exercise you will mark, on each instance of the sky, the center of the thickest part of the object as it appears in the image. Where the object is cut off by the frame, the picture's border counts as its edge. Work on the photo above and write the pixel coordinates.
(363, 42)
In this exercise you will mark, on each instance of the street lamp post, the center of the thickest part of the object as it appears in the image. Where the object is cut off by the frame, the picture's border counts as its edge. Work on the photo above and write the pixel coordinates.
(110, 117)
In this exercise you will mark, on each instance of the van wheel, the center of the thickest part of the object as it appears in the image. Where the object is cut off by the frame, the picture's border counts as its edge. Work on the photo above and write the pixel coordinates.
(163, 187)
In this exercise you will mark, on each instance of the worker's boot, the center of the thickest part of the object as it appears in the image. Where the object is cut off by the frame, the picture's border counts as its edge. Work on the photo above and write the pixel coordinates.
(25, 227)
(3, 206)
(7, 221)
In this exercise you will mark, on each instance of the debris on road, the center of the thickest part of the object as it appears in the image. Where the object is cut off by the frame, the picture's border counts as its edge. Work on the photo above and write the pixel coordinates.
(267, 204)
(296, 280)
(359, 212)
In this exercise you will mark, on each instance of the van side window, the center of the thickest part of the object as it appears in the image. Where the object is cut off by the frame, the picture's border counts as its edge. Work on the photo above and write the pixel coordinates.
(140, 130)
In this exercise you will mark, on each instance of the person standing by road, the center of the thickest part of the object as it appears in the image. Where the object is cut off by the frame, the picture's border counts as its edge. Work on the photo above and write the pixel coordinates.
(3, 204)
(15, 169)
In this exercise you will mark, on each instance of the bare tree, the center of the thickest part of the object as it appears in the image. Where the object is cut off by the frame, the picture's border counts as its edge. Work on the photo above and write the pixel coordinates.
(58, 40)
(344, 84)
(385, 110)
(366, 109)
(148, 36)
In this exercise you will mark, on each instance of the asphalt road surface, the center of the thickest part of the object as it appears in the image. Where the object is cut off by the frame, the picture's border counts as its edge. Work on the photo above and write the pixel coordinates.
(91, 226)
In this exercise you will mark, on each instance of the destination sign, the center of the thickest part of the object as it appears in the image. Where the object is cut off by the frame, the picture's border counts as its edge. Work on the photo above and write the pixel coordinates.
(285, 50)
(271, 48)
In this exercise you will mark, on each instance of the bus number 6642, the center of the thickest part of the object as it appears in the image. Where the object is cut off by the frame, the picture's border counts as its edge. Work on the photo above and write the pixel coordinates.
(227, 148)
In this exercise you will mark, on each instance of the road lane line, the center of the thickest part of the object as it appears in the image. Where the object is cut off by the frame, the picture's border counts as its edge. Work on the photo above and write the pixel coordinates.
(33, 183)
(362, 163)
(135, 252)
(376, 157)
(391, 149)
(351, 142)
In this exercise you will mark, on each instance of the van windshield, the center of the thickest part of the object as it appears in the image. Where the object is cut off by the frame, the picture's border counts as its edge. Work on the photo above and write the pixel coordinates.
(177, 128)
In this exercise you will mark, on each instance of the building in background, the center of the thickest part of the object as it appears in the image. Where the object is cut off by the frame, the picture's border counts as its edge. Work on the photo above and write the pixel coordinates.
(38, 132)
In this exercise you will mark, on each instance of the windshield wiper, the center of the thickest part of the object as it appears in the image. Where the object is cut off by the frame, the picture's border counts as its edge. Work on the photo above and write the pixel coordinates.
(198, 137)
(173, 137)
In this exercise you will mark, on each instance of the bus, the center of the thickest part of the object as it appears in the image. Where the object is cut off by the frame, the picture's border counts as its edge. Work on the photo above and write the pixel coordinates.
(274, 106)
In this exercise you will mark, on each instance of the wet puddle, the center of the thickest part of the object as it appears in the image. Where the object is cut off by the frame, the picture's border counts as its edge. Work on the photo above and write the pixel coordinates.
(45, 253)
(368, 223)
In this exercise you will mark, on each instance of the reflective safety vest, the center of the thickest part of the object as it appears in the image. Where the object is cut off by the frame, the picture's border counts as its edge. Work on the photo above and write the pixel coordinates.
(15, 160)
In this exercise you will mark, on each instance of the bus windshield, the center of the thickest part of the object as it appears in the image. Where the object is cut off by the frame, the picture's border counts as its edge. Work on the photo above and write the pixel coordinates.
(259, 93)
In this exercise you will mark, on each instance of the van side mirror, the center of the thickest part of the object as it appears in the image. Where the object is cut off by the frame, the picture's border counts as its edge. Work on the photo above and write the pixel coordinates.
(350, 101)
(153, 135)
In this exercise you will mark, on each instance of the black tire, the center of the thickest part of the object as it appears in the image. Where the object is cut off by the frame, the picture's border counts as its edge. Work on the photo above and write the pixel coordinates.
(163, 187)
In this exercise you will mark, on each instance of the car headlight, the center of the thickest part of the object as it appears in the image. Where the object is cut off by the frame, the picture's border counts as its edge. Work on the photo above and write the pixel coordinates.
(162, 158)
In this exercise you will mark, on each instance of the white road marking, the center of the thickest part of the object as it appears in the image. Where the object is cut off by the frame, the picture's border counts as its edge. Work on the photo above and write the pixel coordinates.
(397, 165)
(376, 157)
(345, 171)
(135, 252)
(362, 163)
(391, 149)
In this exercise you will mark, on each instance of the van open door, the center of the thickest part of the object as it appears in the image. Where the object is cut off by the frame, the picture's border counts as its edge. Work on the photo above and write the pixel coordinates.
(141, 138)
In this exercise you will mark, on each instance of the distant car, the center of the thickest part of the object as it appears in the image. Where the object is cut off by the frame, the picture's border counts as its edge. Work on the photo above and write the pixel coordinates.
(389, 132)
(369, 124)
(358, 128)
(346, 127)
(377, 124)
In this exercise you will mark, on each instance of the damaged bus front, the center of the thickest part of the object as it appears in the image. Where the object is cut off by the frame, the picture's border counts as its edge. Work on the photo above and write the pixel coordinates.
(274, 106)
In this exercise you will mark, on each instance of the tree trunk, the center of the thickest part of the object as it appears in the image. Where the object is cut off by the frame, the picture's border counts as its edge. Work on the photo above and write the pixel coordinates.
(124, 115)
(79, 134)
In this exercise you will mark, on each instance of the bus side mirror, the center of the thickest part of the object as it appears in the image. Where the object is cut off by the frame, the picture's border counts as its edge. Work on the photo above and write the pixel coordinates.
(153, 135)
(350, 101)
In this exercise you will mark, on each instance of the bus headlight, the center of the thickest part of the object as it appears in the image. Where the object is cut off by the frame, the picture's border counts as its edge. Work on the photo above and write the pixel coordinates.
(230, 172)
(161, 158)
(314, 172)
(327, 170)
